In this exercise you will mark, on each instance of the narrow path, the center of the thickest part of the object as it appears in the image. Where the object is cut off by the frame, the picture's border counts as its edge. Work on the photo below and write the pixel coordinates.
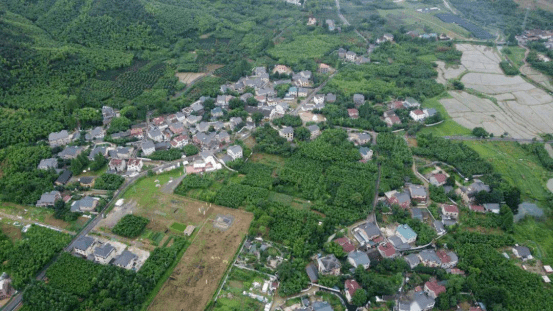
(346, 22)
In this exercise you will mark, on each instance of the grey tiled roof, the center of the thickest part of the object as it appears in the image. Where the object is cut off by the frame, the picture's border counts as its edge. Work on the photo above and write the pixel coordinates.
(125, 258)
(83, 243)
(104, 250)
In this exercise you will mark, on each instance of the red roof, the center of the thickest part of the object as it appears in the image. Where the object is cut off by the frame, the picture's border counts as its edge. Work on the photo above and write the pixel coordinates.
(394, 119)
(115, 161)
(377, 239)
(418, 112)
(477, 208)
(387, 249)
(440, 177)
(457, 271)
(435, 287)
(351, 286)
(345, 243)
(451, 208)
(353, 112)
(136, 131)
(134, 162)
(159, 120)
(475, 309)
(397, 104)
(442, 254)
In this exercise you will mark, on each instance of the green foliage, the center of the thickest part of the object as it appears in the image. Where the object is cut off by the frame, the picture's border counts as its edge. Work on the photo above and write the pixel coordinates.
(334, 248)
(73, 284)
(302, 134)
(40, 296)
(268, 141)
(288, 120)
(508, 69)
(168, 155)
(190, 150)
(26, 257)
(396, 159)
(130, 226)
(359, 298)
(98, 162)
(480, 132)
(466, 160)
(193, 181)
(108, 181)
(79, 163)
(303, 47)
(119, 124)
(234, 195)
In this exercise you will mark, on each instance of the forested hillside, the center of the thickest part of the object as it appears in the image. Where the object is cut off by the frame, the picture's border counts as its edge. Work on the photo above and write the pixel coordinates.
(60, 58)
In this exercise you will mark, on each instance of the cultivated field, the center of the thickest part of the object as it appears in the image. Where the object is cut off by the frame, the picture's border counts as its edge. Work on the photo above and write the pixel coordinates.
(188, 77)
(196, 278)
(522, 110)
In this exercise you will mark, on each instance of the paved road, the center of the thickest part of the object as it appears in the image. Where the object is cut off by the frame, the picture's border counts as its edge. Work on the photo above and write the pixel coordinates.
(17, 299)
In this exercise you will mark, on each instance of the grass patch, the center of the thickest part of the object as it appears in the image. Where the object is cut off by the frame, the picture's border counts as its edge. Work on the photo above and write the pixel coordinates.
(304, 47)
(515, 55)
(517, 166)
(179, 227)
(281, 198)
(538, 236)
(448, 127)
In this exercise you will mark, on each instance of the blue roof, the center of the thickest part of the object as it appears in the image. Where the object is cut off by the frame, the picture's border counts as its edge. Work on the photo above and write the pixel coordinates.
(406, 231)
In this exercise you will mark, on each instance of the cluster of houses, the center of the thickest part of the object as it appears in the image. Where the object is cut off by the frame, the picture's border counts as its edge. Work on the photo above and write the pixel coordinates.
(429, 36)
(416, 113)
(105, 253)
(6, 289)
(537, 35)
(350, 56)
(422, 299)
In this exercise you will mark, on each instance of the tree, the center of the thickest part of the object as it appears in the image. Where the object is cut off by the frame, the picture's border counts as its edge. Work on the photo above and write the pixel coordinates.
(190, 150)
(512, 198)
(257, 117)
(302, 134)
(235, 103)
(450, 181)
(458, 85)
(251, 101)
(480, 132)
(334, 248)
(119, 124)
(507, 217)
(359, 298)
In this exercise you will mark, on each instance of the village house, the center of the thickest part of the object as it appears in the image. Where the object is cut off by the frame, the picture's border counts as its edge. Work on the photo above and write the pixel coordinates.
(83, 245)
(235, 151)
(217, 112)
(177, 128)
(121, 152)
(202, 126)
(102, 150)
(118, 165)
(522, 253)
(350, 56)
(438, 179)
(353, 113)
(448, 259)
(47, 164)
(156, 135)
(392, 120)
(95, 134)
(450, 211)
(439, 227)
(366, 233)
(59, 138)
(398, 198)
(492, 207)
(135, 165)
(312, 272)
(287, 133)
(418, 193)
(342, 53)
(137, 133)
(329, 265)
(366, 153)
(350, 287)
(158, 121)
(330, 98)
(413, 260)
(64, 177)
(48, 199)
(359, 258)
(179, 141)
(314, 130)
(429, 258)
(311, 21)
(358, 99)
(345, 243)
(302, 92)
(385, 38)
(319, 99)
(406, 234)
(433, 289)
(126, 260)
(71, 152)
(282, 69)
(411, 103)
(324, 68)
(429, 112)
(477, 208)
(103, 254)
(148, 147)
(85, 204)
(417, 115)
(331, 24)
(420, 302)
(387, 250)
(223, 137)
(121, 135)
(86, 181)
(197, 108)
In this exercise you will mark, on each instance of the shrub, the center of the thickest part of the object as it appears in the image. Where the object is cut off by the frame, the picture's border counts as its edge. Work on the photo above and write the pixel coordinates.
(130, 226)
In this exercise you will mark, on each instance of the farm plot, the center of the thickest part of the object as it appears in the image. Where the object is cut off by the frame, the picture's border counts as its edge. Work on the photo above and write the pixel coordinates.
(196, 277)
(522, 110)
(187, 78)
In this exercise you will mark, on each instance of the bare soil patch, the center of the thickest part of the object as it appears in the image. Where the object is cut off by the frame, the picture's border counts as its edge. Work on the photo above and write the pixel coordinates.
(187, 78)
(196, 277)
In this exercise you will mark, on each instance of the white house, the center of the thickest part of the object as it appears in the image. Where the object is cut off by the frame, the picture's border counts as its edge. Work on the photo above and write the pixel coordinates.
(417, 115)
(103, 254)
(117, 164)
(135, 165)
(319, 99)
(83, 245)
(235, 151)
(287, 132)
(148, 148)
